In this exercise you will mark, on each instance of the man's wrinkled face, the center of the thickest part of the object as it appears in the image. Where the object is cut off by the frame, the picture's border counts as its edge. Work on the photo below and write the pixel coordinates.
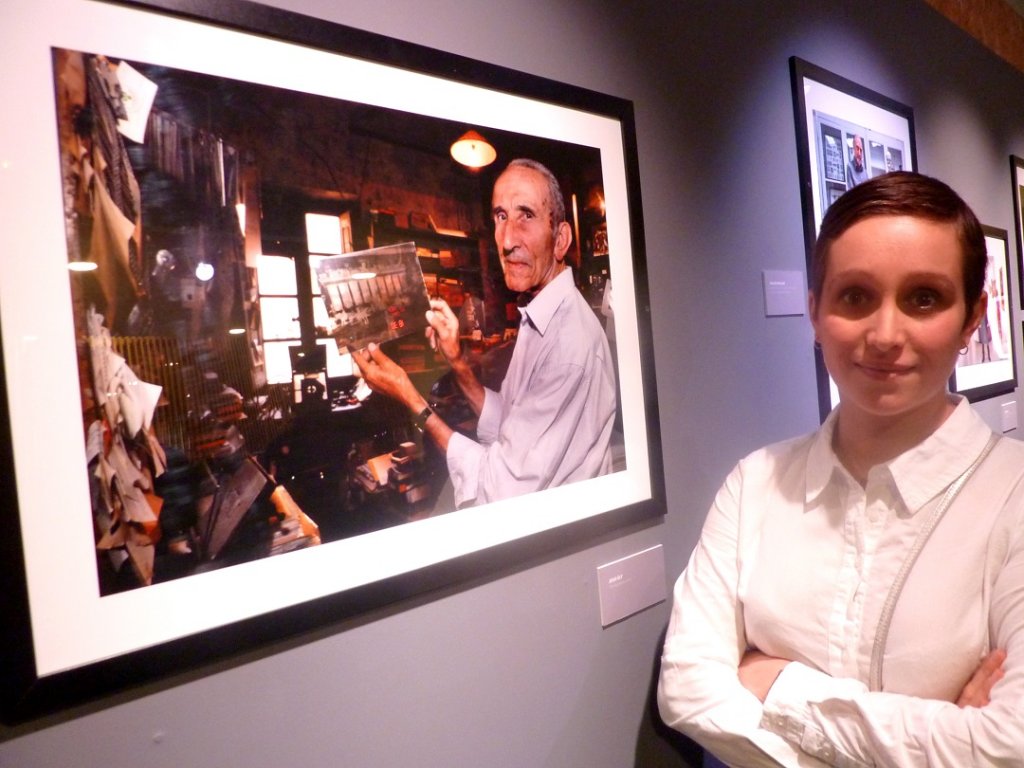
(858, 153)
(530, 248)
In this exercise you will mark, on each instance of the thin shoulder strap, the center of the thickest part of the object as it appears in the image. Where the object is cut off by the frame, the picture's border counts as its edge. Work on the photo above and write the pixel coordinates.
(889, 608)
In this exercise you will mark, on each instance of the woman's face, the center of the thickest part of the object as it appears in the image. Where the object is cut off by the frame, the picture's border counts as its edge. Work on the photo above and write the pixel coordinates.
(892, 316)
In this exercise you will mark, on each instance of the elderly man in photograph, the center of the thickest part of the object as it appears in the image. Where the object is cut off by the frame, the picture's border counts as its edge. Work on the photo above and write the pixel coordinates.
(551, 422)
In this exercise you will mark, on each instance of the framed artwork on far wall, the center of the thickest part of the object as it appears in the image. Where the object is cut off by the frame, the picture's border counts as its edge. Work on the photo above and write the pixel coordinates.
(988, 366)
(191, 468)
(845, 134)
(1017, 176)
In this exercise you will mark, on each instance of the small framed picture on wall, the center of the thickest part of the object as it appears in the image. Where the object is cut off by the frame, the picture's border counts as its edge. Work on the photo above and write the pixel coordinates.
(845, 134)
(988, 366)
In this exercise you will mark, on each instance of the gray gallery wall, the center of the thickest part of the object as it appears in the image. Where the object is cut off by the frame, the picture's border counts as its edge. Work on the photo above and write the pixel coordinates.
(515, 670)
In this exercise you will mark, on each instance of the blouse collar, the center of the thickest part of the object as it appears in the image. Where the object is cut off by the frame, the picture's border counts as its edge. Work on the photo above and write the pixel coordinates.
(920, 473)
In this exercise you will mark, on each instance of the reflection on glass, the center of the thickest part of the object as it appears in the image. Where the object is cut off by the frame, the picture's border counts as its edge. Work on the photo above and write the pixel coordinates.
(280, 317)
(276, 275)
(279, 365)
(323, 233)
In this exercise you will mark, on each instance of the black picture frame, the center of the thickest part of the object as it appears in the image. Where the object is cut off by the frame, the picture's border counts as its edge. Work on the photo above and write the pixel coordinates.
(58, 629)
(830, 113)
(988, 367)
(1017, 182)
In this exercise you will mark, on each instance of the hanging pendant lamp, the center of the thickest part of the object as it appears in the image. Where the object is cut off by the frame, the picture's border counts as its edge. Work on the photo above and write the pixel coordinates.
(473, 150)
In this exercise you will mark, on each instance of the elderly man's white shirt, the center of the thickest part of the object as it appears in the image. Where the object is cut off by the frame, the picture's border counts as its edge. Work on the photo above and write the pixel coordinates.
(551, 423)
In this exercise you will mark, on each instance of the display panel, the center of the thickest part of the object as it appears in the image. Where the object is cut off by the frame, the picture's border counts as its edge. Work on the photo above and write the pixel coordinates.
(1017, 182)
(988, 366)
(91, 608)
(845, 133)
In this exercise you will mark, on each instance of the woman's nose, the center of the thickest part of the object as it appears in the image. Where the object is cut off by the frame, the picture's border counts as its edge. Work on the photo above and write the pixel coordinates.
(886, 329)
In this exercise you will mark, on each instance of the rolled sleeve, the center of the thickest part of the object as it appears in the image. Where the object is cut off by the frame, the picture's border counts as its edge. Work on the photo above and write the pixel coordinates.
(488, 424)
(464, 458)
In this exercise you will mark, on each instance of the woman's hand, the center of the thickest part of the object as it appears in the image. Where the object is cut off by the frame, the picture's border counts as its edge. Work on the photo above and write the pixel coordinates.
(978, 690)
(757, 672)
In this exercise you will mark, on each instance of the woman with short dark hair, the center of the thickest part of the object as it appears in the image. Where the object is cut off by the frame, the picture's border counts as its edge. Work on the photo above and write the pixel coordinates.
(857, 594)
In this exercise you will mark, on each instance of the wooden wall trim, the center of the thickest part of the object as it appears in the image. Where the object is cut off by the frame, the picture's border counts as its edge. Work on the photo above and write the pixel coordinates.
(994, 23)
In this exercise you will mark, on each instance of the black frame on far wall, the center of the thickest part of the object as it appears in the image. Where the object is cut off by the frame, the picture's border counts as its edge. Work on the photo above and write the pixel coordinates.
(830, 114)
(64, 642)
(1017, 179)
(979, 376)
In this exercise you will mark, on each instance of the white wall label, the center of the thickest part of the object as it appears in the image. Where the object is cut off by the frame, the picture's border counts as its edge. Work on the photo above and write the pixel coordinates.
(784, 292)
(630, 584)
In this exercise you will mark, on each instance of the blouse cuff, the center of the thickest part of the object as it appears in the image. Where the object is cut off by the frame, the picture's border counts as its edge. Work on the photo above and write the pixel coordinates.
(790, 708)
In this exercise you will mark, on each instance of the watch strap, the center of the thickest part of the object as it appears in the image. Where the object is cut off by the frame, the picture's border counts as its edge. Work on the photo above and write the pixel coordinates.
(420, 420)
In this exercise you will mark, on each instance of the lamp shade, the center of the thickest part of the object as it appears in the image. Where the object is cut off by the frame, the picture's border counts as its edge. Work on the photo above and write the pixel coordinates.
(472, 150)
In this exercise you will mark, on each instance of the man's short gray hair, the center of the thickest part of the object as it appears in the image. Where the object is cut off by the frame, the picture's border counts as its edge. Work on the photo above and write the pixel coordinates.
(557, 202)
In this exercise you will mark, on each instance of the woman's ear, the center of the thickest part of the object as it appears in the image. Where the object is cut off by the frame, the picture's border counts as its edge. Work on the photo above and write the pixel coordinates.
(812, 313)
(974, 319)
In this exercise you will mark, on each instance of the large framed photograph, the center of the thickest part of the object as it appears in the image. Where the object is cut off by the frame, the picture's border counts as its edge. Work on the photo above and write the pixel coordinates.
(845, 134)
(1017, 180)
(204, 196)
(988, 366)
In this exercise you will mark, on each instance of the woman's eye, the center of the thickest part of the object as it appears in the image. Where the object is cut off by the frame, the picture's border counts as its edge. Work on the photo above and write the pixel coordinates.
(924, 299)
(853, 297)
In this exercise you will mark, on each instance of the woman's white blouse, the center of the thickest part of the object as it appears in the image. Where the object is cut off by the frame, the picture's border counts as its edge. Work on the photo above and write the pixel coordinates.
(796, 559)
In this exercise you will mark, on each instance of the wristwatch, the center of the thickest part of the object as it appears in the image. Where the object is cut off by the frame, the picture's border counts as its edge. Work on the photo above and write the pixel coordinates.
(420, 420)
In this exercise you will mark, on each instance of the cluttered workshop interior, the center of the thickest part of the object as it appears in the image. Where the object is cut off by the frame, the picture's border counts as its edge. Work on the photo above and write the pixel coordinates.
(220, 233)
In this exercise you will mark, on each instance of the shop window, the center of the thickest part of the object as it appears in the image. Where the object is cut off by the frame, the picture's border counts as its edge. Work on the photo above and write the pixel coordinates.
(279, 314)
(326, 235)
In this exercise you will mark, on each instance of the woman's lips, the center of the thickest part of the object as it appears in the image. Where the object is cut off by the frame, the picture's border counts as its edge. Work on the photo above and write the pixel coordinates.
(883, 370)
